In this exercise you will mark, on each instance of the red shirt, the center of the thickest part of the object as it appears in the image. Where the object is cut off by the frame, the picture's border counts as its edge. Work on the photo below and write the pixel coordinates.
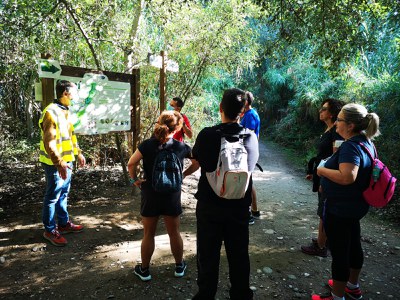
(180, 134)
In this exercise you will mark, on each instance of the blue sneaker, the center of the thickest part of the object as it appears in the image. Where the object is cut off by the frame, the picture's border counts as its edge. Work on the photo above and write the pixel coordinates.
(180, 269)
(143, 274)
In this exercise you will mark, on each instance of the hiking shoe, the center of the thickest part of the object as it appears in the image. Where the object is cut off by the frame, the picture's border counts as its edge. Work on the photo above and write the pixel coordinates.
(70, 227)
(180, 269)
(256, 214)
(313, 249)
(251, 219)
(352, 293)
(315, 241)
(318, 297)
(55, 238)
(143, 274)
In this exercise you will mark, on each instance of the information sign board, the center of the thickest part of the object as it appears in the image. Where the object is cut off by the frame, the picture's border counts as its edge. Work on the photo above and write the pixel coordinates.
(102, 105)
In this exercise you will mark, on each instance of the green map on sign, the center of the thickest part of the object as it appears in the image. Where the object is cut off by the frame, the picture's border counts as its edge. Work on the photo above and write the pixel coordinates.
(103, 106)
(82, 110)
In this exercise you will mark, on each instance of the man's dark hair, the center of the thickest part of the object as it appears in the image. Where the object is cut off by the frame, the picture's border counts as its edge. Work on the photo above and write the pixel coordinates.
(249, 97)
(178, 101)
(233, 102)
(334, 107)
(62, 86)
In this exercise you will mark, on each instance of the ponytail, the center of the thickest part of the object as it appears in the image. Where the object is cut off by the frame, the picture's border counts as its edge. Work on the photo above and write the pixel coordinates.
(168, 122)
(372, 128)
(364, 122)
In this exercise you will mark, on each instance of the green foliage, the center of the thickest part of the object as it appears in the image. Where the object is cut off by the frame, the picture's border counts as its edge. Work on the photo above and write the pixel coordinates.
(369, 74)
(291, 55)
(338, 28)
(21, 150)
(116, 36)
(215, 35)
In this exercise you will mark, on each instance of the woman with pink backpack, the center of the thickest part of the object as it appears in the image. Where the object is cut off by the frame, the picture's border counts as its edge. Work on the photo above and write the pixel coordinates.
(344, 177)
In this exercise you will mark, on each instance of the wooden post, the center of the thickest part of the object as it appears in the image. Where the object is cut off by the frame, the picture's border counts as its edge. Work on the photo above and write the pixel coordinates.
(135, 116)
(162, 81)
(47, 86)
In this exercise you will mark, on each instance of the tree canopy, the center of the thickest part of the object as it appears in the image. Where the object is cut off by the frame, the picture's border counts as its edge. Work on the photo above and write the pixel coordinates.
(291, 53)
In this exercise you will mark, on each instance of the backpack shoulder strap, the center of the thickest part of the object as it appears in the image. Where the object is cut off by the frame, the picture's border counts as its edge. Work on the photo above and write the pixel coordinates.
(369, 152)
(240, 135)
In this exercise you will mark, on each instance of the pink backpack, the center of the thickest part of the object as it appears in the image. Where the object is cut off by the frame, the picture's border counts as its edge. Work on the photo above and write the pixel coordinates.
(382, 184)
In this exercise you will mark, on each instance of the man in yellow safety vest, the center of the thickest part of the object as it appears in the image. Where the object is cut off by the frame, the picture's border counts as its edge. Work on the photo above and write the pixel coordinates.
(58, 147)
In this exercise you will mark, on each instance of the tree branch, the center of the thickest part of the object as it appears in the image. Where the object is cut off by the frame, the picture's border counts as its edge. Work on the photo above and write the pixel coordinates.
(45, 16)
(202, 66)
(67, 6)
(324, 24)
(296, 15)
(195, 79)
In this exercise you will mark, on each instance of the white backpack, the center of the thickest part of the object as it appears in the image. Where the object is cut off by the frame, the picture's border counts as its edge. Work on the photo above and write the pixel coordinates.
(231, 177)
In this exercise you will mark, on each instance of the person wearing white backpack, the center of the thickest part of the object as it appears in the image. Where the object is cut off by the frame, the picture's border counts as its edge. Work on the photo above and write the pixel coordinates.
(221, 219)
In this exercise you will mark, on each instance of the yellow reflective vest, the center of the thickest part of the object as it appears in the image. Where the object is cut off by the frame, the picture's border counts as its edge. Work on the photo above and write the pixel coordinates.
(66, 142)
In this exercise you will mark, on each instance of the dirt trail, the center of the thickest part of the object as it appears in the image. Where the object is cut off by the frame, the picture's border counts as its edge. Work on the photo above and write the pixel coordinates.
(98, 264)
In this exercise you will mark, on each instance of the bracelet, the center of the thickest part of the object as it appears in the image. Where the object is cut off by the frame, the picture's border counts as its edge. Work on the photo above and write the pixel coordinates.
(133, 180)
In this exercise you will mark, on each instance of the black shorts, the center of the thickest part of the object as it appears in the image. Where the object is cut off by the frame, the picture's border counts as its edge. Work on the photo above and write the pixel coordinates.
(155, 204)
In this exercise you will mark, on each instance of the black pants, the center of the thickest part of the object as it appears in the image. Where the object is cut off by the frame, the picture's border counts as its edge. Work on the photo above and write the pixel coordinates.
(344, 235)
(228, 223)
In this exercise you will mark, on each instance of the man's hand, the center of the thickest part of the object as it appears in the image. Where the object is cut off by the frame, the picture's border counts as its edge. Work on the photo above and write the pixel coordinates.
(81, 160)
(187, 130)
(63, 169)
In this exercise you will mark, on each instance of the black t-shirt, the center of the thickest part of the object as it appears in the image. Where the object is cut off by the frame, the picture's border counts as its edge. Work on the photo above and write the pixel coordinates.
(206, 152)
(325, 149)
(149, 149)
(325, 145)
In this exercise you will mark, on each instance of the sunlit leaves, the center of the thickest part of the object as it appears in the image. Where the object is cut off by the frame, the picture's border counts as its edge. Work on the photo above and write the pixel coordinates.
(337, 27)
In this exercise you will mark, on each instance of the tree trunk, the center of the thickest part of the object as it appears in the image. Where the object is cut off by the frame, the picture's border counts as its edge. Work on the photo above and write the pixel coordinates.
(130, 64)
(121, 156)
(29, 118)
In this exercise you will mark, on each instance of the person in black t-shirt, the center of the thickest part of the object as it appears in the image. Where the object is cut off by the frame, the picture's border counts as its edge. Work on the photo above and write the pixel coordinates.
(221, 220)
(155, 204)
(328, 114)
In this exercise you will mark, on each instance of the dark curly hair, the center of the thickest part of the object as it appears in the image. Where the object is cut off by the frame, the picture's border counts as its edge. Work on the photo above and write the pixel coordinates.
(334, 107)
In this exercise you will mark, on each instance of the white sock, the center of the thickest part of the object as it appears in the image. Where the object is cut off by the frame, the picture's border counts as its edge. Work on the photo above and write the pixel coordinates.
(336, 297)
(352, 286)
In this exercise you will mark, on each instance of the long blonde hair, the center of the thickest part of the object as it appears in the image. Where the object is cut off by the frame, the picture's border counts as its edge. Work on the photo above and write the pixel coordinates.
(168, 121)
